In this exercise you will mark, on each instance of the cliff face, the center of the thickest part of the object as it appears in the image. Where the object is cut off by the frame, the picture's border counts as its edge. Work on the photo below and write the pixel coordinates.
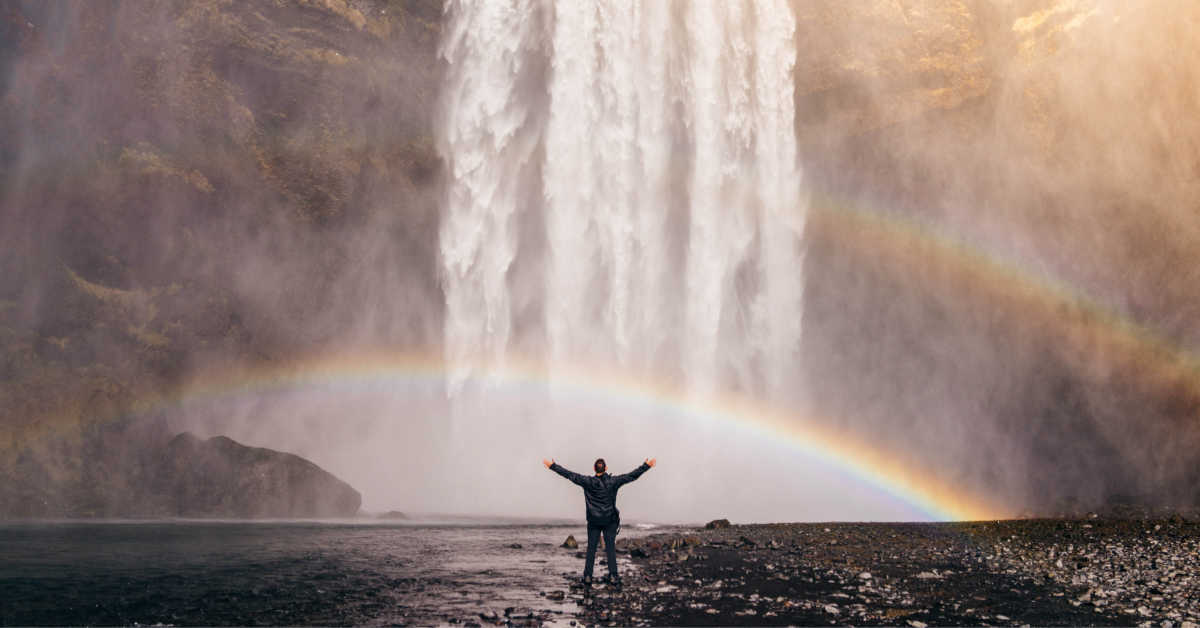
(1001, 242)
(212, 181)
(1000, 272)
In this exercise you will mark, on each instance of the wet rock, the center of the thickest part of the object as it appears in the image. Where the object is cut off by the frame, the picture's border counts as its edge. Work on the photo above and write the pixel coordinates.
(727, 573)
(556, 596)
(515, 546)
(570, 543)
(717, 524)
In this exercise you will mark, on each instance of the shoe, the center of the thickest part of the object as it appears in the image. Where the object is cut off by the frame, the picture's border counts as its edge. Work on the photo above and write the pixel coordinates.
(586, 582)
(613, 582)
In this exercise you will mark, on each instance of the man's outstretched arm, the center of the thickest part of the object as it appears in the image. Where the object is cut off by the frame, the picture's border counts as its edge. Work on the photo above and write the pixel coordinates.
(570, 475)
(636, 473)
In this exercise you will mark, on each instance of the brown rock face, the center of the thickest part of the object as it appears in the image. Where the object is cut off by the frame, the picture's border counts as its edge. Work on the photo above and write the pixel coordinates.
(1003, 219)
(1000, 274)
(161, 165)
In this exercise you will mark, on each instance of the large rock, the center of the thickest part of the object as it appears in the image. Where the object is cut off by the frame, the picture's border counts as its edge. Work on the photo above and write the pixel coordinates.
(135, 468)
(221, 477)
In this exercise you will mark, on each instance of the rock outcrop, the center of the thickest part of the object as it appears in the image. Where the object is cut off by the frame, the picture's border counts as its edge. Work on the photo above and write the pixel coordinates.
(220, 477)
(135, 469)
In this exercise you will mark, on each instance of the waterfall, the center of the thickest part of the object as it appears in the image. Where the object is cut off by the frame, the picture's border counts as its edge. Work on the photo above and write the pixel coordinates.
(671, 202)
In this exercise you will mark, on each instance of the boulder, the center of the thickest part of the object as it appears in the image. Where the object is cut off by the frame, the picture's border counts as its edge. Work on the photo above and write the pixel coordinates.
(570, 543)
(717, 524)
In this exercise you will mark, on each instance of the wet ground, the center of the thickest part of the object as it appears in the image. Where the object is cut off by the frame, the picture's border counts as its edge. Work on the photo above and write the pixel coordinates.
(1036, 572)
(1032, 572)
(241, 573)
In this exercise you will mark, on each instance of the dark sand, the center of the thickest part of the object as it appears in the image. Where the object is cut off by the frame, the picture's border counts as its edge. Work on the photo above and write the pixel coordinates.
(1036, 572)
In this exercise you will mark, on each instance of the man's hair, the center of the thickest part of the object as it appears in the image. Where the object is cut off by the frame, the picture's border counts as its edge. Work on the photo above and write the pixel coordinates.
(599, 465)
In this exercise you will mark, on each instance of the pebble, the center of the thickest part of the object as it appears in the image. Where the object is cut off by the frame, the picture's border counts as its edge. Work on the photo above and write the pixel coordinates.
(1109, 573)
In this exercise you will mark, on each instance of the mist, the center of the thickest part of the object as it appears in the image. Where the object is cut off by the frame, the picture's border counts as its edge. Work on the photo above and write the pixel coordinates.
(960, 232)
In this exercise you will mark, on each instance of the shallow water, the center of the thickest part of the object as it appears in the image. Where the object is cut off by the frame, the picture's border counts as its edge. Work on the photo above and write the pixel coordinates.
(280, 573)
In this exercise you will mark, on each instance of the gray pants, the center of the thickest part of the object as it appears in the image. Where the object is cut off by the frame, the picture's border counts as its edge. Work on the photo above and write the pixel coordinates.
(610, 548)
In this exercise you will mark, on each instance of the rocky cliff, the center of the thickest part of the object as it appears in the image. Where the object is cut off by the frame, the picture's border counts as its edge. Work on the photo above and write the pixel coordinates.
(1001, 238)
(162, 164)
(999, 277)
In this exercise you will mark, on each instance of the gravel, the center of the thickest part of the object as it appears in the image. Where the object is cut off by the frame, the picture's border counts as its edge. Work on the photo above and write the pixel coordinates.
(1021, 572)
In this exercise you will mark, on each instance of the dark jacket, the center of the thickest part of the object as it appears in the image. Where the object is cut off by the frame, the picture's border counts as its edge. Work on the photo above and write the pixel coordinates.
(600, 492)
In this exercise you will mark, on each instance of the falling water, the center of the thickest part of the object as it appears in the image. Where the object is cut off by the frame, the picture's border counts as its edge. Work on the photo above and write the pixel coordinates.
(671, 201)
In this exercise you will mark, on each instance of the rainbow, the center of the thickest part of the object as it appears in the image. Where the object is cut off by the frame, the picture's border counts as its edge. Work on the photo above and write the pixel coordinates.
(1097, 340)
(1080, 329)
(858, 460)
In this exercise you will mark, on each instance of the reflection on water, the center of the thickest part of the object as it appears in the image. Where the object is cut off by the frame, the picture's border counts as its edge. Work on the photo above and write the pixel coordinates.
(278, 573)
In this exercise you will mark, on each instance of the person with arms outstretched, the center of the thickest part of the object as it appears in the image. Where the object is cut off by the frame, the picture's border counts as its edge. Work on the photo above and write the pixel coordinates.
(600, 497)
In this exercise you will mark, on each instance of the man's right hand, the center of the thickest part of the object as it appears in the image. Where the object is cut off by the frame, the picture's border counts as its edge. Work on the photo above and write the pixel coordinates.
(651, 461)
(547, 462)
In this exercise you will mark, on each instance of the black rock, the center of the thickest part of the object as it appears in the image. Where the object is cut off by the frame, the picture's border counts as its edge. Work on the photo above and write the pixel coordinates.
(717, 524)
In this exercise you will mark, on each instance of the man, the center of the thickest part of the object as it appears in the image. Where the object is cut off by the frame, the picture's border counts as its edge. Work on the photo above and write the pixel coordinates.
(600, 495)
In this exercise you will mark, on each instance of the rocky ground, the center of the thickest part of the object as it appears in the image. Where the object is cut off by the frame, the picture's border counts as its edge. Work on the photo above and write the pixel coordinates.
(1022, 572)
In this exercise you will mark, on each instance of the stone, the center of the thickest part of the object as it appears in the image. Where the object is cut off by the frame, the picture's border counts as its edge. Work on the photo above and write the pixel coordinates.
(717, 524)
(570, 543)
